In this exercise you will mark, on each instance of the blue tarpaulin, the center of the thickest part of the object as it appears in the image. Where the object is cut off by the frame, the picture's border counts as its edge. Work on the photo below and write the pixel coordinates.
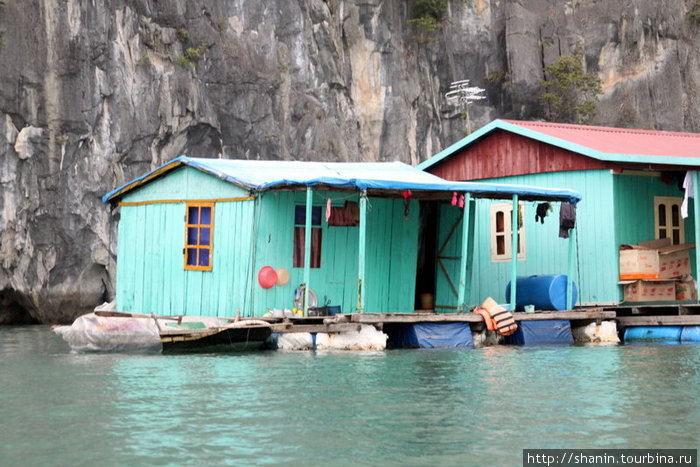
(550, 331)
(429, 335)
(266, 175)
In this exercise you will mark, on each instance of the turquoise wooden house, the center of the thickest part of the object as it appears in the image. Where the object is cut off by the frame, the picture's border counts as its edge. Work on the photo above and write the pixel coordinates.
(631, 182)
(199, 236)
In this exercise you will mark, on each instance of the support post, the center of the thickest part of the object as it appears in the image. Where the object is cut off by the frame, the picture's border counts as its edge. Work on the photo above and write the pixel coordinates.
(514, 253)
(361, 253)
(461, 299)
(307, 248)
(696, 219)
(570, 270)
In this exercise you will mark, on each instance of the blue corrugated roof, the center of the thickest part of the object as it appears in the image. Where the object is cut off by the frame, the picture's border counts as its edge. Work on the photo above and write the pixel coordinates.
(265, 175)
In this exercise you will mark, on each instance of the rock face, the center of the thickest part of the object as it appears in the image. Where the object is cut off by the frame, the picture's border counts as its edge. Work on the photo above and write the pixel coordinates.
(94, 94)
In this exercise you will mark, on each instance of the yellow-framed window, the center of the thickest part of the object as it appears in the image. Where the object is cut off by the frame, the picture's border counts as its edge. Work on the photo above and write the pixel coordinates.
(502, 232)
(668, 221)
(199, 236)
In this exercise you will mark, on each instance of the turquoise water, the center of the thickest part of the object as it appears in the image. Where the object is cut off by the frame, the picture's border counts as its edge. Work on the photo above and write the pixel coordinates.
(398, 407)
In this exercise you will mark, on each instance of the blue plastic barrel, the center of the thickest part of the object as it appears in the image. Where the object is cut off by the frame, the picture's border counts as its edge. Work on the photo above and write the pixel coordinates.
(660, 333)
(546, 292)
(690, 334)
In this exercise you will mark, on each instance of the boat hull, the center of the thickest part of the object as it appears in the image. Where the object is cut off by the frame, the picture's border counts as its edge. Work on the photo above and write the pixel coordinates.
(227, 339)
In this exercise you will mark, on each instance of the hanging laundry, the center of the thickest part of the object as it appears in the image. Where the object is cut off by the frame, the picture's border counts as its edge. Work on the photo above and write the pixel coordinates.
(406, 202)
(460, 203)
(454, 198)
(567, 219)
(520, 217)
(352, 212)
(688, 187)
(346, 216)
(542, 211)
(328, 209)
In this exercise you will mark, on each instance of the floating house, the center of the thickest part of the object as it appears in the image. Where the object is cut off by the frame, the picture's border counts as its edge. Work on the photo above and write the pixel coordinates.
(632, 182)
(211, 236)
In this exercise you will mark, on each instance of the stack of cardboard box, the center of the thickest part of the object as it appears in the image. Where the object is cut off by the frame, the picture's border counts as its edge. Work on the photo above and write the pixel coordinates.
(656, 271)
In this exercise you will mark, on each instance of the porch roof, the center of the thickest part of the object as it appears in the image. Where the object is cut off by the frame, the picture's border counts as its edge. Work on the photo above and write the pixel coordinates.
(378, 178)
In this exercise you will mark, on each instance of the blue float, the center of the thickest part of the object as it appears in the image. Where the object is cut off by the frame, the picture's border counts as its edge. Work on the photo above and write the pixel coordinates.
(656, 333)
(546, 292)
(690, 334)
(429, 335)
(548, 331)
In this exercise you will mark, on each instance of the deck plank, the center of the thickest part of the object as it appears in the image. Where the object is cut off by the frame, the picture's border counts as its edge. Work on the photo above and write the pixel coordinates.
(659, 320)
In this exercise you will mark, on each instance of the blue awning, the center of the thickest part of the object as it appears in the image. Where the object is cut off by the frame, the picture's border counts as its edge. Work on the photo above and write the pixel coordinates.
(378, 177)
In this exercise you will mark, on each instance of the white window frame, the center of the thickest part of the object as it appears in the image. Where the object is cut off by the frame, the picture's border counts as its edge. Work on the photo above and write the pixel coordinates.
(668, 202)
(507, 233)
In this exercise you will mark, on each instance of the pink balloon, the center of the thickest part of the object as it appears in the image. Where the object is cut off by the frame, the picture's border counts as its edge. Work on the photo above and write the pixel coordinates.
(267, 277)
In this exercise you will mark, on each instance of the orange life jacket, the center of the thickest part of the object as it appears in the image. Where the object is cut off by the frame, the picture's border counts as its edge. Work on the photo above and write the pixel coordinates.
(496, 317)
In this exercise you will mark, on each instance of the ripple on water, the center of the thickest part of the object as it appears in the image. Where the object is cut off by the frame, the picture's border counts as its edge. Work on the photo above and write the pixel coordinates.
(408, 407)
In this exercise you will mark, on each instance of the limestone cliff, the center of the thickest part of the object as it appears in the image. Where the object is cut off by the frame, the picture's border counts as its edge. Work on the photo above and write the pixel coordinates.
(95, 93)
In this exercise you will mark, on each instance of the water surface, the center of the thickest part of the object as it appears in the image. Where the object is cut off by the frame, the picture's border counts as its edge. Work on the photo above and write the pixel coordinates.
(398, 407)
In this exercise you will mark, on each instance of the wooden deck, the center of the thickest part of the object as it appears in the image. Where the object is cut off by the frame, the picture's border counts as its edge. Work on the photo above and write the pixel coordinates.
(626, 315)
(353, 322)
(660, 320)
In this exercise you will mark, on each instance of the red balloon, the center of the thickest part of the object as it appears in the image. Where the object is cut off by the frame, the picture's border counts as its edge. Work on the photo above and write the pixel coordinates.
(267, 277)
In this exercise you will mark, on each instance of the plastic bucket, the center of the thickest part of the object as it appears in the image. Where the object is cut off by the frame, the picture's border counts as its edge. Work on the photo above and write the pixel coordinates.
(427, 301)
(546, 292)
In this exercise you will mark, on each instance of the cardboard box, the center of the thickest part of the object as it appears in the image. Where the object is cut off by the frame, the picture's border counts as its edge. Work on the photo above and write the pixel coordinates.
(686, 289)
(649, 291)
(654, 260)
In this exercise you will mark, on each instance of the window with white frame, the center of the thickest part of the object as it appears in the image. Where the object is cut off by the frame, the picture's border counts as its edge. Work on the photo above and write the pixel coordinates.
(502, 233)
(668, 222)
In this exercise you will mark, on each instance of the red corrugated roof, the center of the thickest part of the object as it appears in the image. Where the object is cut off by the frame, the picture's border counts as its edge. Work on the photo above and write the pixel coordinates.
(620, 140)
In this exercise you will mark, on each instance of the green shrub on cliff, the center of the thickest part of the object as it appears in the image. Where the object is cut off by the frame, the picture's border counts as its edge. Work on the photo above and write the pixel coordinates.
(427, 16)
(694, 13)
(570, 94)
(436, 9)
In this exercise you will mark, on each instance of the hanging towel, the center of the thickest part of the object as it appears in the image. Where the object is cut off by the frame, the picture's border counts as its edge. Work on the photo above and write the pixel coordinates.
(328, 209)
(567, 219)
(688, 186)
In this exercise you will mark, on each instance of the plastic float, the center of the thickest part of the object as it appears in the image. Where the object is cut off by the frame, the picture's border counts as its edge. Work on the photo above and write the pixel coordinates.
(545, 292)
(666, 334)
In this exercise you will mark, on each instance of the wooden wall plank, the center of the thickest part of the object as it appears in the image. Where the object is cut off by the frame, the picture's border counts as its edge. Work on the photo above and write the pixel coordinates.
(503, 154)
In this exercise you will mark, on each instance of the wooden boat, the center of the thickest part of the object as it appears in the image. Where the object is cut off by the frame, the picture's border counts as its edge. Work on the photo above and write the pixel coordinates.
(191, 333)
(226, 338)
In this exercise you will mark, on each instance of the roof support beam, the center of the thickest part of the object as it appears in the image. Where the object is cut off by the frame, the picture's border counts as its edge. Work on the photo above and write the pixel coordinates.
(514, 253)
(361, 253)
(696, 219)
(466, 260)
(307, 248)
(570, 270)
